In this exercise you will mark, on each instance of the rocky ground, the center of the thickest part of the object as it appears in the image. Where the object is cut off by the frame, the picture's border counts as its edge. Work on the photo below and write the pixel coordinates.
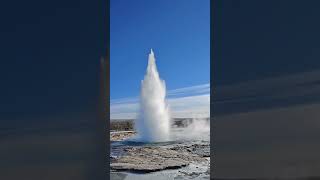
(148, 158)
(122, 135)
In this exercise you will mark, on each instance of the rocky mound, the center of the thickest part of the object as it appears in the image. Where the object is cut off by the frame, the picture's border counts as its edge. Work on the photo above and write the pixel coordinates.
(155, 158)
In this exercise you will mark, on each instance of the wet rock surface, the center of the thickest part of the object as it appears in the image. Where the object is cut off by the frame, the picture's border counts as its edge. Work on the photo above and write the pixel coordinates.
(155, 158)
(202, 150)
(189, 160)
(150, 159)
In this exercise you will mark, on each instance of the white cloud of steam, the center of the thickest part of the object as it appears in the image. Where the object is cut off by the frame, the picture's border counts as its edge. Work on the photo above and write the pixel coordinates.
(191, 101)
(199, 129)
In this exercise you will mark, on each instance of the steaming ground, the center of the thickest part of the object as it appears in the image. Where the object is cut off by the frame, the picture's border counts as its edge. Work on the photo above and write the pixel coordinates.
(198, 130)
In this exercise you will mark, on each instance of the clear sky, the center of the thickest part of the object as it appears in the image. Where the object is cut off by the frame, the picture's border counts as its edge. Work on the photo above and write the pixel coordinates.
(178, 32)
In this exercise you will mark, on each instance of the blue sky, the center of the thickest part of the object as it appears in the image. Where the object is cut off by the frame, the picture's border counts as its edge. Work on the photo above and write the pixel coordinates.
(178, 31)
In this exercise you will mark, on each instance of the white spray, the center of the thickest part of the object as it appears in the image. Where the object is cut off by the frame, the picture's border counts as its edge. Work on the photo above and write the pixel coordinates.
(153, 123)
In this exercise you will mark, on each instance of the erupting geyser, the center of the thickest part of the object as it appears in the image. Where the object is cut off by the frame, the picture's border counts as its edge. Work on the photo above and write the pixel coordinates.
(153, 123)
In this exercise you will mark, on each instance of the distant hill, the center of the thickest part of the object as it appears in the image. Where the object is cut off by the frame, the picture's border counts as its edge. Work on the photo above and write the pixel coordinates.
(122, 125)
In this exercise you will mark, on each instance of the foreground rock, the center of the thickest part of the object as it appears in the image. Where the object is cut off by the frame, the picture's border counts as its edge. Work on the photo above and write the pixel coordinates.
(154, 158)
(202, 150)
